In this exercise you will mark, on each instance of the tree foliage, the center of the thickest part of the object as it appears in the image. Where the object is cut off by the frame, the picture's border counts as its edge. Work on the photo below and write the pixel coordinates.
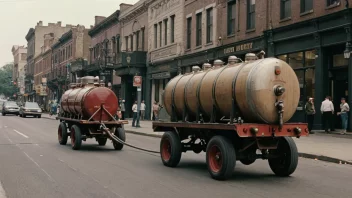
(7, 87)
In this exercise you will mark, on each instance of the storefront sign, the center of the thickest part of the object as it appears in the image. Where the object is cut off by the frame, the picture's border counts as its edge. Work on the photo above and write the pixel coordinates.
(162, 75)
(237, 48)
(137, 81)
(105, 73)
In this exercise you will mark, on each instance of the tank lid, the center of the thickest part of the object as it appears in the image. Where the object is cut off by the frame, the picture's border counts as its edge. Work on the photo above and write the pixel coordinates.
(206, 66)
(196, 68)
(218, 62)
(232, 58)
(87, 80)
(251, 56)
(79, 80)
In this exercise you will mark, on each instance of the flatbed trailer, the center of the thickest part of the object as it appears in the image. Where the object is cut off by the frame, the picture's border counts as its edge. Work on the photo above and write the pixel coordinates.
(225, 144)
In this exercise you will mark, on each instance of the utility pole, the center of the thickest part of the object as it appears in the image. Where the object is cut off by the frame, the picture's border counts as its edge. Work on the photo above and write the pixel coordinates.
(137, 82)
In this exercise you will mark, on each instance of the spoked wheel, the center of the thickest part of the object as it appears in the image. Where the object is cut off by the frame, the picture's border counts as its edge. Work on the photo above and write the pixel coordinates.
(120, 133)
(102, 141)
(220, 157)
(62, 133)
(287, 162)
(76, 137)
(170, 149)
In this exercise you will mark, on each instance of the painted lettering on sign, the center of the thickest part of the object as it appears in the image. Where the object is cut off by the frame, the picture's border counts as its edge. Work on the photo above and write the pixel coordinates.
(237, 48)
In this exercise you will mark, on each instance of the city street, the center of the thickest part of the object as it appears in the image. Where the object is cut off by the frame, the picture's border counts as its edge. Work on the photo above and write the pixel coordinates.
(33, 164)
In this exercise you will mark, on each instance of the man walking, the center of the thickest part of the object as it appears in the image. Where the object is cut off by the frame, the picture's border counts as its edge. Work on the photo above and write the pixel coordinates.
(142, 110)
(327, 109)
(345, 108)
(310, 111)
(134, 109)
(122, 109)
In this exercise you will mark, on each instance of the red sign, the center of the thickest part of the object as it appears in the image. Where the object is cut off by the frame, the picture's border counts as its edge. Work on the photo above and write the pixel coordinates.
(137, 81)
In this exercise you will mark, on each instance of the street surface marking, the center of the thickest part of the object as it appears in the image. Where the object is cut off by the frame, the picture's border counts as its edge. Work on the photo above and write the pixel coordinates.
(20, 133)
(2, 191)
(47, 174)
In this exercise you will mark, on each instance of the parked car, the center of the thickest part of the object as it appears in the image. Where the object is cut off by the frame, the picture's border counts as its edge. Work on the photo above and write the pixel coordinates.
(30, 109)
(10, 107)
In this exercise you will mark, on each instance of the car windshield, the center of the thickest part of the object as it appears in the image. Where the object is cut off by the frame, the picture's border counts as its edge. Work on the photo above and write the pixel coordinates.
(12, 104)
(31, 105)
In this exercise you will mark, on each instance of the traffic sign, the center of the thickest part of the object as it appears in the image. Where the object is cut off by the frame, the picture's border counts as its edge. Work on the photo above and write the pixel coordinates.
(137, 81)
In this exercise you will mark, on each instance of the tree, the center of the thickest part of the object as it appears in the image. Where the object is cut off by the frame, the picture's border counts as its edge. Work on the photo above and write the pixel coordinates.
(7, 87)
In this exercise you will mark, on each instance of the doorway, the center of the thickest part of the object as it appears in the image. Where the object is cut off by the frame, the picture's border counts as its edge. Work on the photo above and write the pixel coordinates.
(339, 89)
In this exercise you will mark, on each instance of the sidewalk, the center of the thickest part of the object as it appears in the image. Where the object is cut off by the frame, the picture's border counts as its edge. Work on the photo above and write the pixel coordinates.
(320, 146)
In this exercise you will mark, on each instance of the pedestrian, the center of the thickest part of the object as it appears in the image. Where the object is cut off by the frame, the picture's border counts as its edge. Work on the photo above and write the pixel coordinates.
(156, 110)
(123, 109)
(134, 110)
(345, 108)
(327, 109)
(143, 106)
(310, 111)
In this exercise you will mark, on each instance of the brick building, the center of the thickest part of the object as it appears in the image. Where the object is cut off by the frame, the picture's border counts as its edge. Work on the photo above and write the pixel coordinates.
(35, 41)
(20, 58)
(134, 44)
(69, 54)
(105, 50)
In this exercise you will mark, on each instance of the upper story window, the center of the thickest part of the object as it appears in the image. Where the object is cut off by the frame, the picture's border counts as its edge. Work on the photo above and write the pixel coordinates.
(172, 31)
(306, 5)
(209, 25)
(137, 40)
(160, 34)
(189, 32)
(332, 2)
(132, 42)
(231, 17)
(285, 9)
(199, 29)
(250, 14)
(126, 43)
(155, 35)
(165, 31)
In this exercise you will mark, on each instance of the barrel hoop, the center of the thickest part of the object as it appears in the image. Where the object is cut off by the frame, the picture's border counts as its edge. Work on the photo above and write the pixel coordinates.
(185, 90)
(234, 81)
(75, 101)
(214, 85)
(83, 97)
(248, 85)
(173, 96)
(201, 110)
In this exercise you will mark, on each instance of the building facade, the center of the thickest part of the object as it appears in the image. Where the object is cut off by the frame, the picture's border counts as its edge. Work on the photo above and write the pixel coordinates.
(105, 50)
(35, 41)
(20, 59)
(70, 51)
(134, 44)
(166, 44)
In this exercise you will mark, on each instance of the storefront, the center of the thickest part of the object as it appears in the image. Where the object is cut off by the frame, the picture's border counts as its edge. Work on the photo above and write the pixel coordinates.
(315, 50)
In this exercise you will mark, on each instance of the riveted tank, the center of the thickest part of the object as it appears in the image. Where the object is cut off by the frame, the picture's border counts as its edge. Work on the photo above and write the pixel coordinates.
(254, 87)
(86, 97)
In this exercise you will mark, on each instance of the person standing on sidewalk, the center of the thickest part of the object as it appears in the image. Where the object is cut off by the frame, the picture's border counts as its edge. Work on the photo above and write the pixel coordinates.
(143, 110)
(310, 111)
(123, 109)
(345, 108)
(134, 109)
(156, 111)
(327, 109)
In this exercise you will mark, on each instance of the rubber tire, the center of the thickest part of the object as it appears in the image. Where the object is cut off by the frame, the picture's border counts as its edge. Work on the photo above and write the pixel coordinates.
(20, 115)
(39, 116)
(229, 157)
(64, 133)
(120, 133)
(76, 131)
(23, 116)
(3, 114)
(289, 145)
(176, 149)
(102, 141)
(247, 161)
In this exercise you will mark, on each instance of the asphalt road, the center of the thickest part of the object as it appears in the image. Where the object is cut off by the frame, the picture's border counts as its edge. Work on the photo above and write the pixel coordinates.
(33, 164)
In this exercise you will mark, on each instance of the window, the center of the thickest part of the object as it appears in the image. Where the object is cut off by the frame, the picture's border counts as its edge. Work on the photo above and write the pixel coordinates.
(137, 40)
(231, 18)
(143, 39)
(295, 60)
(306, 5)
(155, 35)
(251, 14)
(199, 29)
(332, 2)
(165, 31)
(172, 36)
(209, 25)
(189, 32)
(156, 93)
(160, 34)
(126, 41)
(131, 42)
(285, 8)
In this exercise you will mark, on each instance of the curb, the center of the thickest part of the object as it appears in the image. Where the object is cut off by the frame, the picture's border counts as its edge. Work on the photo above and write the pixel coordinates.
(48, 118)
(303, 155)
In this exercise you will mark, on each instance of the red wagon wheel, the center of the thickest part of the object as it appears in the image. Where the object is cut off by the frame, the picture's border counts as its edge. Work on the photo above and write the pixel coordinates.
(215, 158)
(170, 149)
(166, 150)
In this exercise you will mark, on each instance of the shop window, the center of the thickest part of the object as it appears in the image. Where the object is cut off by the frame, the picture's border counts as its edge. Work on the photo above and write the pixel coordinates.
(310, 82)
(332, 2)
(283, 57)
(339, 60)
(300, 76)
(295, 60)
(250, 14)
(199, 29)
(310, 58)
(306, 5)
(156, 90)
(285, 9)
(231, 18)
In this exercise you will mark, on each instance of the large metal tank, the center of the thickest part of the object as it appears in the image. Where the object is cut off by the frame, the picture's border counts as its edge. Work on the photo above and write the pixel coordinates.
(86, 97)
(252, 84)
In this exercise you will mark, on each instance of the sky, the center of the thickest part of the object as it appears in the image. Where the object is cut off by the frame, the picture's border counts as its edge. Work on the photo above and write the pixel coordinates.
(18, 16)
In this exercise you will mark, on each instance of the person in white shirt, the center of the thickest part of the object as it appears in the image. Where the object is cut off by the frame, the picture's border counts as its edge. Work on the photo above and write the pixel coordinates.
(143, 106)
(134, 109)
(345, 108)
(327, 109)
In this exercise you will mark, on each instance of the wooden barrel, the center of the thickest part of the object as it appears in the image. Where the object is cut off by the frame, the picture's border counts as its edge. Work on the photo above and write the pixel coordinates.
(251, 84)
